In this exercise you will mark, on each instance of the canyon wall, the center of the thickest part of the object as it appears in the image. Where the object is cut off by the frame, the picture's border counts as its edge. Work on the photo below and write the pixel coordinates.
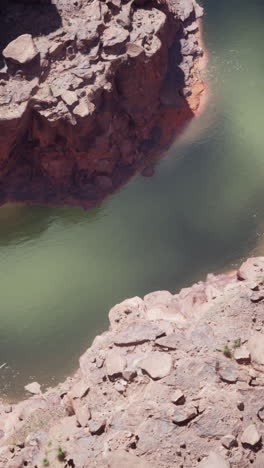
(90, 91)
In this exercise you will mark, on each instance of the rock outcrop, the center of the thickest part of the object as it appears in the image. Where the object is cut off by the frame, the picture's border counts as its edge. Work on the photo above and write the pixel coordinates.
(89, 91)
(176, 381)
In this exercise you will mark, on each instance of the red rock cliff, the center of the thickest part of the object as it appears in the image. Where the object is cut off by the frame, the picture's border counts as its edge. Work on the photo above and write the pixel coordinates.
(89, 91)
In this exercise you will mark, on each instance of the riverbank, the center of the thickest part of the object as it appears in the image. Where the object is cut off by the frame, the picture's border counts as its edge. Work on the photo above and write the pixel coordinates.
(177, 380)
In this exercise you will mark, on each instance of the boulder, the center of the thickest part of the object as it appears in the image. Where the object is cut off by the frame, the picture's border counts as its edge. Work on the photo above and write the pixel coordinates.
(156, 365)
(115, 363)
(33, 388)
(79, 390)
(214, 460)
(229, 374)
(21, 50)
(242, 355)
(229, 441)
(250, 436)
(137, 333)
(183, 415)
(256, 348)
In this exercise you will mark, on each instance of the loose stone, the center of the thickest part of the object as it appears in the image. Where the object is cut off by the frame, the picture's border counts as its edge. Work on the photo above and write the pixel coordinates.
(178, 397)
(22, 50)
(33, 388)
(97, 427)
(184, 415)
(156, 365)
(229, 441)
(214, 460)
(229, 374)
(250, 436)
(115, 363)
(242, 355)
(136, 334)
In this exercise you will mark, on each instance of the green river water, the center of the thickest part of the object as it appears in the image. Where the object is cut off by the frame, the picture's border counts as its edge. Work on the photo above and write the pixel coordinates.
(61, 269)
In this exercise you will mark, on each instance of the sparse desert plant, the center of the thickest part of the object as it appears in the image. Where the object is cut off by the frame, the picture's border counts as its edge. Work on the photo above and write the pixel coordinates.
(227, 351)
(61, 453)
(237, 343)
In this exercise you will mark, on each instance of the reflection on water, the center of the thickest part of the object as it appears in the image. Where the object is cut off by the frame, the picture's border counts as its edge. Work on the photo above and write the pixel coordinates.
(63, 268)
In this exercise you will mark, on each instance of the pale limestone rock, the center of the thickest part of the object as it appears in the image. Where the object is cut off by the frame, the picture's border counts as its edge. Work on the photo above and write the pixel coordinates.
(83, 109)
(162, 312)
(114, 36)
(173, 341)
(177, 397)
(182, 415)
(115, 363)
(256, 348)
(134, 50)
(229, 441)
(83, 414)
(229, 374)
(97, 427)
(33, 388)
(79, 390)
(69, 97)
(259, 462)
(128, 310)
(250, 436)
(137, 333)
(242, 355)
(157, 365)
(158, 297)
(121, 458)
(21, 50)
(214, 460)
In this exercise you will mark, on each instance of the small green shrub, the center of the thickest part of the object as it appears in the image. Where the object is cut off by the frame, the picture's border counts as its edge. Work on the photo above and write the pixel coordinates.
(45, 461)
(227, 351)
(61, 453)
(237, 343)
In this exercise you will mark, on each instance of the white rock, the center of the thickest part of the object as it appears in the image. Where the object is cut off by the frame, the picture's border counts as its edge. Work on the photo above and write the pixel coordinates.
(242, 355)
(214, 460)
(69, 97)
(79, 389)
(22, 50)
(157, 365)
(177, 397)
(256, 348)
(250, 436)
(228, 441)
(83, 109)
(115, 363)
(33, 388)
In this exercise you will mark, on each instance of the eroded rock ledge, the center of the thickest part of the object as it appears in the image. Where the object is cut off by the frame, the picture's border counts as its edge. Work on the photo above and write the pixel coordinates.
(89, 90)
(176, 381)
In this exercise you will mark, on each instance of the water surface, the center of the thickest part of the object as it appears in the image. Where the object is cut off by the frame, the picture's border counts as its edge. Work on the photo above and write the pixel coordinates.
(63, 268)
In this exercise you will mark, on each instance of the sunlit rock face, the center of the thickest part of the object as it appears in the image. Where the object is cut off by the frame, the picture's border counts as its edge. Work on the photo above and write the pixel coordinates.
(168, 370)
(90, 91)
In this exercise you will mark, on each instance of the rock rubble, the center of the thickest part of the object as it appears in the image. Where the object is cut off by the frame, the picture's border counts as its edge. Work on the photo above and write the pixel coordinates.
(90, 91)
(184, 394)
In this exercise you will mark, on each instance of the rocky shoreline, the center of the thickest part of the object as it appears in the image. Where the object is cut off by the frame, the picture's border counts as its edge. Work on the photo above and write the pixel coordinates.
(91, 91)
(176, 381)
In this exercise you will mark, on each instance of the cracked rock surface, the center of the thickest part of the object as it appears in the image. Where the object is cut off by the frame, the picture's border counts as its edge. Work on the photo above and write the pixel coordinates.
(174, 395)
(85, 88)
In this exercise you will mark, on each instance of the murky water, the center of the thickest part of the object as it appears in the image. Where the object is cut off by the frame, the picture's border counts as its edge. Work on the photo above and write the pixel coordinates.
(63, 268)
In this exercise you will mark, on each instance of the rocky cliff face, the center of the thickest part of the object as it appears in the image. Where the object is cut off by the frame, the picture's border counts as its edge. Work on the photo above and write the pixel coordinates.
(89, 90)
(176, 381)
